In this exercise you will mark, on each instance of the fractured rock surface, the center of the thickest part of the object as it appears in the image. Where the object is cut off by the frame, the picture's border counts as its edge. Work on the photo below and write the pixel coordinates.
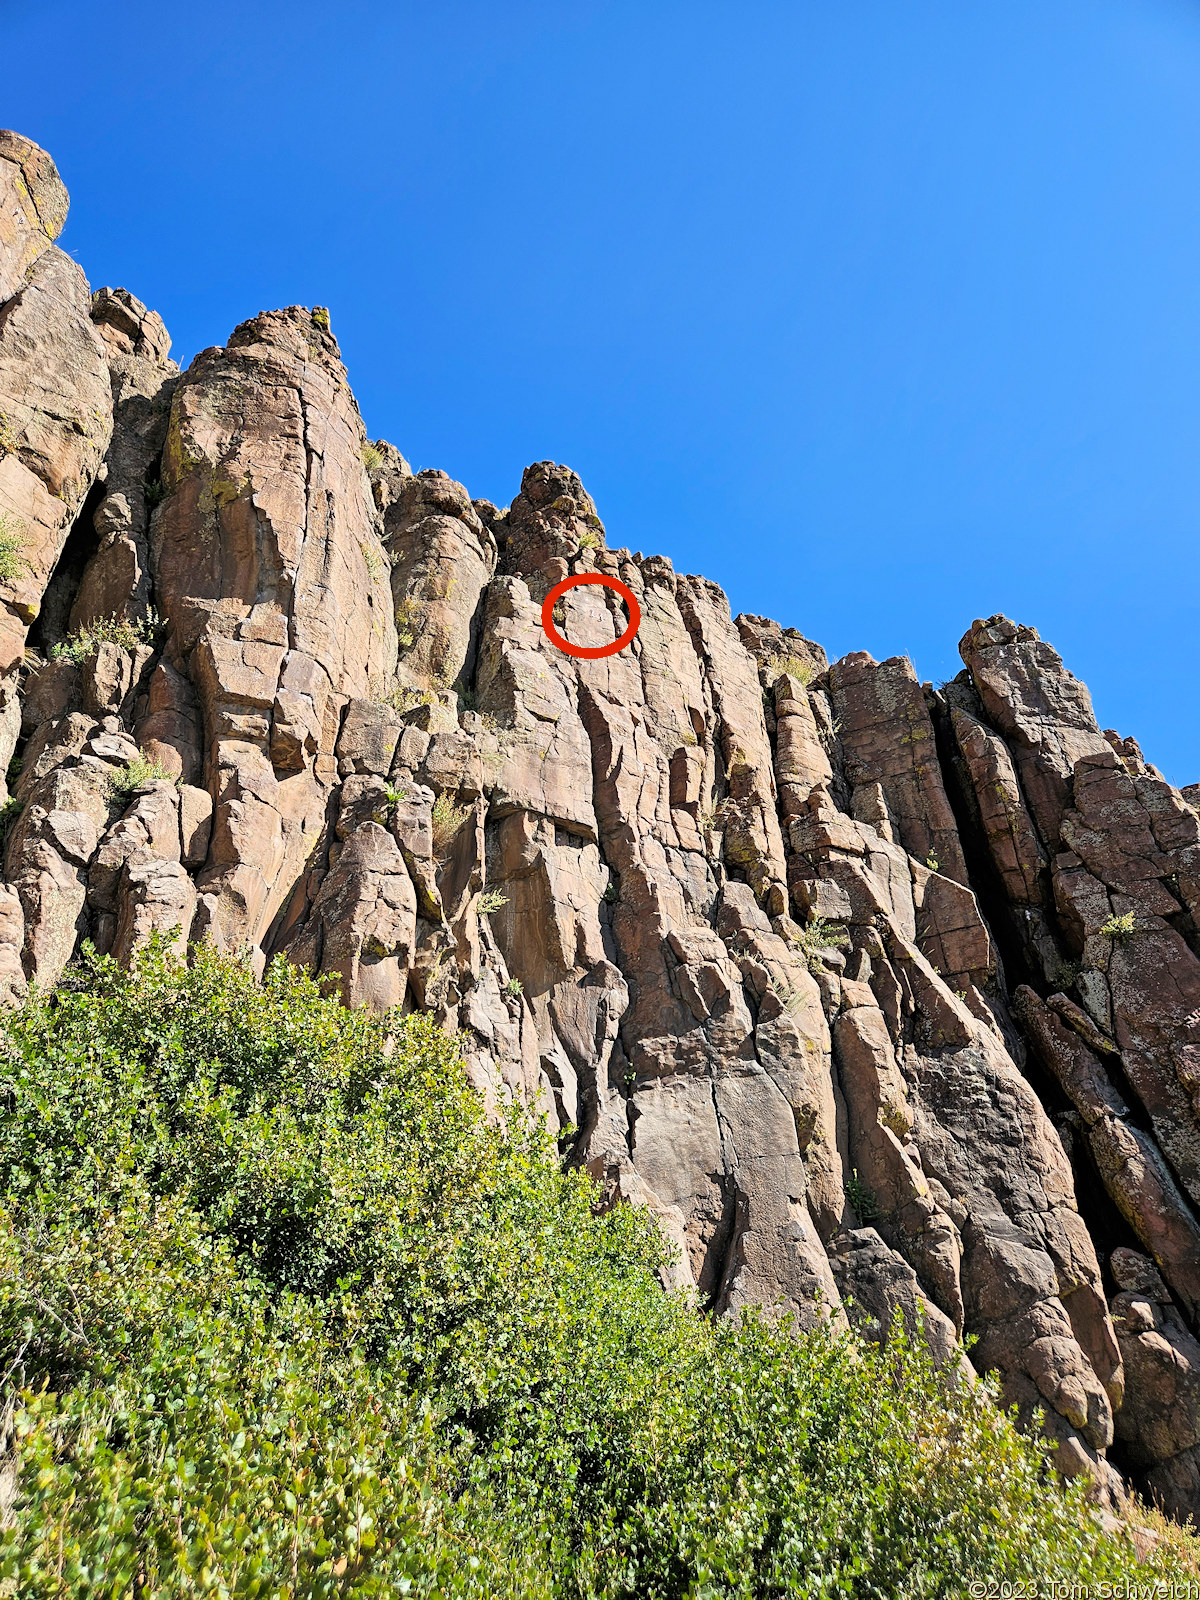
(885, 1001)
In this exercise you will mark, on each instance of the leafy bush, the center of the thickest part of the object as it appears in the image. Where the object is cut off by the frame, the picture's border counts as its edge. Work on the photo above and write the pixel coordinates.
(490, 900)
(514, 988)
(862, 1198)
(372, 457)
(589, 539)
(83, 644)
(285, 1315)
(1119, 927)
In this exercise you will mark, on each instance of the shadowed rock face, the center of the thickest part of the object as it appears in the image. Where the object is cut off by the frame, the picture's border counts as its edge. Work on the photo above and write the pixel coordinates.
(858, 986)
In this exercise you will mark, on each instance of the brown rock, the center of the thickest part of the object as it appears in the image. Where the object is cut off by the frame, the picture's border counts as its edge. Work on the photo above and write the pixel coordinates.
(888, 739)
(1043, 712)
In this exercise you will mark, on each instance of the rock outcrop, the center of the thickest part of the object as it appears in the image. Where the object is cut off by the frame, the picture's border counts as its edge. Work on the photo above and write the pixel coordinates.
(884, 1000)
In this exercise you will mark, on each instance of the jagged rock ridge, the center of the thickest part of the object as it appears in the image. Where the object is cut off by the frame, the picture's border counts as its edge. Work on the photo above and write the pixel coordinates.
(880, 997)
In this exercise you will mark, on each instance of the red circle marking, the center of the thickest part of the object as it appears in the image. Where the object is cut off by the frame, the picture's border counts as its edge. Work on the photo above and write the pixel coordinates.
(592, 652)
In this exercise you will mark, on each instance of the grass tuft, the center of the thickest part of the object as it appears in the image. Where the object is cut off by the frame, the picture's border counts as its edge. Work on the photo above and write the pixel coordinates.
(791, 666)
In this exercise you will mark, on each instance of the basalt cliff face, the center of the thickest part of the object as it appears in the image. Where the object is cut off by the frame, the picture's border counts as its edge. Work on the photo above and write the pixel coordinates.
(881, 997)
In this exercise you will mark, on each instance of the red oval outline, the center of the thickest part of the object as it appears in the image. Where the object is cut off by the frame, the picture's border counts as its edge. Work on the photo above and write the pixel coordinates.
(590, 652)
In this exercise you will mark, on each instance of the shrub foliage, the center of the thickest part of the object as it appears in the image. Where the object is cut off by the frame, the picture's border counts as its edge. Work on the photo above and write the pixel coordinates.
(284, 1315)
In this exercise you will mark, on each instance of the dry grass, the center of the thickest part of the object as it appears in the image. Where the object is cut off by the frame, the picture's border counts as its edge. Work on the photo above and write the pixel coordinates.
(776, 666)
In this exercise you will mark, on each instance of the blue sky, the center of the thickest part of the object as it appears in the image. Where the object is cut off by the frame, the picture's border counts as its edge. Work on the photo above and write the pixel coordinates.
(885, 314)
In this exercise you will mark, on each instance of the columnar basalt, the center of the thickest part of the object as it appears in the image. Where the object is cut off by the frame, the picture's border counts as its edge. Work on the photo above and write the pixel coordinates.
(856, 984)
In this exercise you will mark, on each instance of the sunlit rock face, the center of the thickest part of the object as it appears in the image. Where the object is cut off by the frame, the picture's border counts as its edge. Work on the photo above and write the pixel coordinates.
(884, 1000)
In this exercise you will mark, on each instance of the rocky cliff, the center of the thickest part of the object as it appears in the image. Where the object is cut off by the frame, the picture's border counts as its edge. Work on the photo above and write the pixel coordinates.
(882, 997)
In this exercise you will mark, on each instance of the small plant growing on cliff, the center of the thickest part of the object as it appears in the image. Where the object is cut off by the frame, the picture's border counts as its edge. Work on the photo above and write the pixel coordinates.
(861, 1198)
(407, 614)
(154, 492)
(490, 900)
(405, 696)
(612, 891)
(9, 812)
(791, 666)
(446, 819)
(143, 769)
(13, 564)
(372, 458)
(514, 988)
(82, 645)
(589, 539)
(712, 817)
(1119, 927)
(372, 563)
(932, 862)
(394, 796)
(819, 935)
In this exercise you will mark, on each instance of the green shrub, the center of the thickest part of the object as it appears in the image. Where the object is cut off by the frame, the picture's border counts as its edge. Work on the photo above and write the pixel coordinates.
(404, 697)
(408, 621)
(81, 645)
(589, 539)
(143, 769)
(861, 1198)
(9, 812)
(285, 1314)
(490, 900)
(1119, 927)
(372, 457)
(820, 934)
(514, 988)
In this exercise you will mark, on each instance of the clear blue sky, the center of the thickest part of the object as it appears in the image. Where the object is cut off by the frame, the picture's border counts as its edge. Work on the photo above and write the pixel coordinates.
(885, 314)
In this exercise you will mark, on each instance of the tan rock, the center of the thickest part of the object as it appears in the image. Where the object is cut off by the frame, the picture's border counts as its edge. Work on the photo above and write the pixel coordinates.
(56, 406)
(1044, 713)
(33, 208)
(888, 738)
